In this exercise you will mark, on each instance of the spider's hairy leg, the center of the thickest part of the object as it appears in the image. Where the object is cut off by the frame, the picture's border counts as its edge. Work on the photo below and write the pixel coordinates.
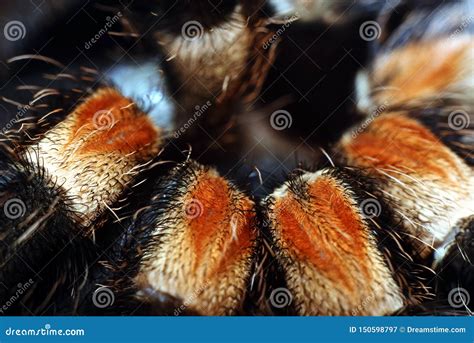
(217, 57)
(430, 186)
(193, 245)
(410, 170)
(332, 254)
(216, 61)
(97, 150)
(64, 181)
(37, 236)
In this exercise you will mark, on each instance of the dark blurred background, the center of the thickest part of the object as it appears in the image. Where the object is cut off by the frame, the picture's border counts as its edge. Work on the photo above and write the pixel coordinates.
(312, 76)
(314, 69)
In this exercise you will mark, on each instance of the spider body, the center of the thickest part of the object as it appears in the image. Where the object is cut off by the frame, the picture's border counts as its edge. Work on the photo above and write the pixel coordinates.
(213, 208)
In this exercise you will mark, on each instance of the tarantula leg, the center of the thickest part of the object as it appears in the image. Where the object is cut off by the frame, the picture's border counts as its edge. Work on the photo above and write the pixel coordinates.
(96, 151)
(221, 59)
(53, 193)
(431, 187)
(195, 241)
(37, 236)
(331, 246)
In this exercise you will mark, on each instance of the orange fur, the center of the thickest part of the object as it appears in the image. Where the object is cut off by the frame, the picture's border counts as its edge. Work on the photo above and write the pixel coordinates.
(125, 137)
(395, 141)
(205, 256)
(213, 193)
(103, 100)
(325, 231)
(130, 129)
(420, 70)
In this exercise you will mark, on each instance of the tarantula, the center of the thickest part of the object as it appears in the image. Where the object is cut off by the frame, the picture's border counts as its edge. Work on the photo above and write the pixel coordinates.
(196, 178)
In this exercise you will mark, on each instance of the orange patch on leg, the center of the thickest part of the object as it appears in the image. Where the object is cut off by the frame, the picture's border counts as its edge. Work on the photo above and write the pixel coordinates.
(109, 122)
(217, 220)
(207, 238)
(421, 69)
(325, 229)
(96, 150)
(130, 135)
(397, 142)
(429, 187)
(326, 249)
(104, 100)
